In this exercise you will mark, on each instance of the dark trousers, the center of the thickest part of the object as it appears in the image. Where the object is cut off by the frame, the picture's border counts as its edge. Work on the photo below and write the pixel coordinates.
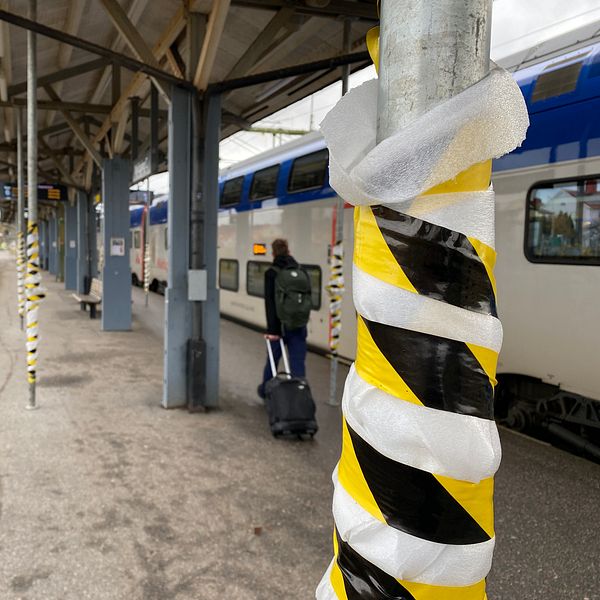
(295, 340)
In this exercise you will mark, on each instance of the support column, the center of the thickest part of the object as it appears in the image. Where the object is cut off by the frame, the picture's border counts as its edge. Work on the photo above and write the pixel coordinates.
(70, 246)
(93, 240)
(53, 244)
(204, 346)
(178, 324)
(116, 273)
(44, 244)
(82, 242)
(210, 192)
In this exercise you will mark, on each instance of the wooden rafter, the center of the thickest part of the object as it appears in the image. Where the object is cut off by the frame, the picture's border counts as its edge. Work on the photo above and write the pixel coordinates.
(133, 38)
(77, 130)
(214, 30)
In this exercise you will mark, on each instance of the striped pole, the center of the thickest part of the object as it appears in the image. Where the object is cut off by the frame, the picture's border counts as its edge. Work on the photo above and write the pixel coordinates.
(21, 259)
(413, 499)
(33, 292)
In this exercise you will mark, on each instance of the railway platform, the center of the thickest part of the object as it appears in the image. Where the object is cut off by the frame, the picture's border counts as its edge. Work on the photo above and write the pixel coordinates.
(106, 495)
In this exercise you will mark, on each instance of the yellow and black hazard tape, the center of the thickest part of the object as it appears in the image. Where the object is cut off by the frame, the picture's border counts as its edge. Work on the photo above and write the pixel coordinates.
(425, 505)
(20, 274)
(427, 369)
(354, 578)
(34, 296)
(335, 288)
(426, 259)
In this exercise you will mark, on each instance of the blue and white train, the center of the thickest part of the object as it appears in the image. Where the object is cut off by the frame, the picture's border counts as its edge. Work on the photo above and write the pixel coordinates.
(548, 243)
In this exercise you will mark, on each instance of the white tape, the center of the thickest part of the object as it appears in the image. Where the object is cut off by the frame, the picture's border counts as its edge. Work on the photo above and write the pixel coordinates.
(324, 589)
(458, 446)
(405, 556)
(379, 301)
(485, 121)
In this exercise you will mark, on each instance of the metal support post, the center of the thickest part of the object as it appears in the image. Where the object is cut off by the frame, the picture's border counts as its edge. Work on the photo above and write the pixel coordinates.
(177, 307)
(53, 244)
(93, 239)
(32, 282)
(153, 128)
(82, 274)
(407, 510)
(71, 250)
(203, 389)
(116, 272)
(135, 122)
(44, 244)
(335, 287)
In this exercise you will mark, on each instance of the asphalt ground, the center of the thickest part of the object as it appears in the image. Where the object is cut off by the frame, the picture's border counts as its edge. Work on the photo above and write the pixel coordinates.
(105, 495)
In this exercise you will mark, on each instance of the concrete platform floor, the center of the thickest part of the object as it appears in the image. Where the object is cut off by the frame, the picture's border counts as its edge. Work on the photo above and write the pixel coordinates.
(105, 495)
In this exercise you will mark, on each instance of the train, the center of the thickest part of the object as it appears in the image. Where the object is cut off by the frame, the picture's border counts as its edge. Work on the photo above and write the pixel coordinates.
(548, 243)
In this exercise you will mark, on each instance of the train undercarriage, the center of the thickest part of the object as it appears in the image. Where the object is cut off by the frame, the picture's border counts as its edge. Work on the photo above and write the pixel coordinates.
(565, 419)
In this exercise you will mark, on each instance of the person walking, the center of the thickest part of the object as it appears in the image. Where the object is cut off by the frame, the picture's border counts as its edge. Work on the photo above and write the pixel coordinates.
(288, 303)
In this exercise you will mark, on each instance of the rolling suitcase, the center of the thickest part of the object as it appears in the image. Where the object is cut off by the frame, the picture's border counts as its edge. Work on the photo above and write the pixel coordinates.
(289, 401)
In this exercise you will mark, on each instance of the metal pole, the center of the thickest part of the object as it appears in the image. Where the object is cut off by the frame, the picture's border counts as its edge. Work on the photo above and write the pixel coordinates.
(427, 55)
(33, 276)
(21, 258)
(336, 258)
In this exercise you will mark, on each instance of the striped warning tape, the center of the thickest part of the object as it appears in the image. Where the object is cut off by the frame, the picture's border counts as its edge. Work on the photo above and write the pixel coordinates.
(336, 289)
(21, 261)
(413, 497)
(34, 295)
(147, 268)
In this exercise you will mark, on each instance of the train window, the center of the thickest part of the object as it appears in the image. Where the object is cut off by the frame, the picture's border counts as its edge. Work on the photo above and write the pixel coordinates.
(563, 222)
(264, 183)
(308, 172)
(255, 277)
(136, 241)
(556, 82)
(314, 272)
(232, 192)
(229, 274)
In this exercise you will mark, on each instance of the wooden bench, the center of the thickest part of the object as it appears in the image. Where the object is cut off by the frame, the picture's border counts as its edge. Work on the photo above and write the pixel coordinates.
(93, 298)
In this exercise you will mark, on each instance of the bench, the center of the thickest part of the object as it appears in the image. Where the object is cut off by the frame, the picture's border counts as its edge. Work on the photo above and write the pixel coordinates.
(93, 298)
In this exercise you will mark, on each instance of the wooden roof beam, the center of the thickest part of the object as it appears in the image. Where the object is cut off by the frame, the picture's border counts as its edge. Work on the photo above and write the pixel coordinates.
(169, 35)
(60, 75)
(133, 39)
(333, 9)
(262, 43)
(79, 133)
(212, 37)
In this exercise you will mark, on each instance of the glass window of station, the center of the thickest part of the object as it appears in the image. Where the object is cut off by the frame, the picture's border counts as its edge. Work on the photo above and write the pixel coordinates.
(229, 274)
(232, 191)
(264, 183)
(308, 172)
(563, 222)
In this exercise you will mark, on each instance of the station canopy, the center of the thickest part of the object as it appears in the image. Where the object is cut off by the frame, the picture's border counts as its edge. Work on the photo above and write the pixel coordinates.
(96, 57)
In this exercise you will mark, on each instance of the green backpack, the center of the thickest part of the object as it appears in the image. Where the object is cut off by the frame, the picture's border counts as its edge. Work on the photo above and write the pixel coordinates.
(293, 300)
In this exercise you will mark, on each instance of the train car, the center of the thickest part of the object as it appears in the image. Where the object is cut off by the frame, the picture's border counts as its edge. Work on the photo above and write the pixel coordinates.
(137, 215)
(548, 242)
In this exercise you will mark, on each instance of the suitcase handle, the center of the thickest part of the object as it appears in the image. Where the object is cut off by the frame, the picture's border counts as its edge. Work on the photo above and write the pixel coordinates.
(284, 355)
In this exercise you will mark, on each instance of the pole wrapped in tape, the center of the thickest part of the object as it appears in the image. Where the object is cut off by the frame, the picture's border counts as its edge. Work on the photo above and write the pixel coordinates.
(336, 289)
(413, 499)
(21, 262)
(34, 295)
